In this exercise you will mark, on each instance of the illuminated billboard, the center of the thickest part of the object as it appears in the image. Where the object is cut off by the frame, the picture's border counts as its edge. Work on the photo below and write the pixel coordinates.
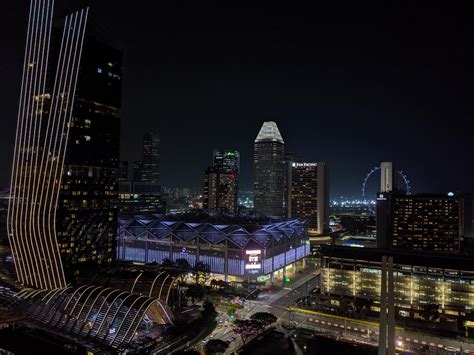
(253, 259)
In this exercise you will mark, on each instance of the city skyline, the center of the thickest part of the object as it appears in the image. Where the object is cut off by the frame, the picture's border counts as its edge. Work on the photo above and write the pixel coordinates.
(115, 238)
(424, 119)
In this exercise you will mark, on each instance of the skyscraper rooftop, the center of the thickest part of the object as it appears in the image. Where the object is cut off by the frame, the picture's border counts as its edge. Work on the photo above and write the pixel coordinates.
(269, 133)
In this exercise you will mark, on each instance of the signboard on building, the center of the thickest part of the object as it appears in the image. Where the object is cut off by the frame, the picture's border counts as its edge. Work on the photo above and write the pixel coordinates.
(253, 259)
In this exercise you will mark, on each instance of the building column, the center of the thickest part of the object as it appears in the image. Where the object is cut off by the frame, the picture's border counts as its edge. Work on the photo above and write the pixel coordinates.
(387, 308)
(170, 252)
(226, 262)
(391, 309)
(383, 309)
(146, 251)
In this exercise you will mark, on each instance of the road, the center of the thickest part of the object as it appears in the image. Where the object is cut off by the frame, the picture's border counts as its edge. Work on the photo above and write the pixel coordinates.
(367, 332)
(281, 304)
(276, 303)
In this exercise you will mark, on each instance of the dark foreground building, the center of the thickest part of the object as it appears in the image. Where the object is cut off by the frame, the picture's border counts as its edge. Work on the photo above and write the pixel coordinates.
(66, 153)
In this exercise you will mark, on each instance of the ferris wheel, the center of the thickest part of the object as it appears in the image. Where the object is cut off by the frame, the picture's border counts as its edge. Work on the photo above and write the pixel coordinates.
(404, 181)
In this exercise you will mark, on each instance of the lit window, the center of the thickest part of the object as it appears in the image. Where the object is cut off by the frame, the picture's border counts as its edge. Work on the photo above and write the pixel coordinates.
(87, 138)
(99, 70)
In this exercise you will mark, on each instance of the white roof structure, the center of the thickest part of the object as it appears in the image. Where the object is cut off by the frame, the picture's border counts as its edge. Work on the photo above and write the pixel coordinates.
(269, 133)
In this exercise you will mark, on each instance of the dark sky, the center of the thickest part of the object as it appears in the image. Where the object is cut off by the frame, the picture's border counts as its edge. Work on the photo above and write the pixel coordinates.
(350, 84)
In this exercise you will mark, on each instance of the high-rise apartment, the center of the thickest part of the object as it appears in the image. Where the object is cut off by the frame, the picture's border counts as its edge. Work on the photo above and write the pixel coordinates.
(269, 171)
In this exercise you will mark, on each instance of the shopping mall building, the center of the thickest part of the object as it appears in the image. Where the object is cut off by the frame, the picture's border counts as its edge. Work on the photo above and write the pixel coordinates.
(237, 248)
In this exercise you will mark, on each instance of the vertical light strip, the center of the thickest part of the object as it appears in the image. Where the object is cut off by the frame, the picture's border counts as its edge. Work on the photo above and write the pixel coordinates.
(60, 136)
(52, 152)
(12, 202)
(32, 266)
(71, 95)
(32, 147)
(35, 229)
(40, 145)
(48, 158)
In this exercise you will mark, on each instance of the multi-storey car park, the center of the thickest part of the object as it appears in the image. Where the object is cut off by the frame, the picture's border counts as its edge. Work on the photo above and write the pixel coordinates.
(424, 284)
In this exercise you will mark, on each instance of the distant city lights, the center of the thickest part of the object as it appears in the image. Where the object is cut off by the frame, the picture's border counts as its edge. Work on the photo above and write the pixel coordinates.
(352, 203)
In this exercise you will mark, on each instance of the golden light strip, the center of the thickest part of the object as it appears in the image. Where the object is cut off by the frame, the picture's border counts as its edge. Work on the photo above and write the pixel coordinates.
(39, 152)
(12, 210)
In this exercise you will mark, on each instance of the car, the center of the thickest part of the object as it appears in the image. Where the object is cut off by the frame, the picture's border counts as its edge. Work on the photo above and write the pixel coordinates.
(451, 349)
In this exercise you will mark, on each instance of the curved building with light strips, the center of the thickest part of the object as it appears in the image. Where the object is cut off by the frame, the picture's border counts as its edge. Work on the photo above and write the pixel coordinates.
(97, 313)
(59, 215)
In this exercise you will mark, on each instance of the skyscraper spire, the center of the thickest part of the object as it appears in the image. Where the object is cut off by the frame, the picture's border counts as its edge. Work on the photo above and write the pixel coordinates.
(269, 133)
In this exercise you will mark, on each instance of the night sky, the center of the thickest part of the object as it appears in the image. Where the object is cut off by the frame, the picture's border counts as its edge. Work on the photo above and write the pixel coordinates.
(351, 84)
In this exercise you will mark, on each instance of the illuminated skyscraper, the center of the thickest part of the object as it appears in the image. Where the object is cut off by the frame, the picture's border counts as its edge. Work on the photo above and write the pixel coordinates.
(220, 190)
(308, 195)
(269, 171)
(387, 176)
(226, 160)
(66, 152)
(151, 158)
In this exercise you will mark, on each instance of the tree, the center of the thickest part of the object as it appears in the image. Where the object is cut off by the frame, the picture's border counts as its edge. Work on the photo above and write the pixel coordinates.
(431, 312)
(247, 328)
(183, 264)
(216, 346)
(167, 262)
(362, 305)
(195, 292)
(264, 318)
(209, 308)
(202, 271)
(222, 284)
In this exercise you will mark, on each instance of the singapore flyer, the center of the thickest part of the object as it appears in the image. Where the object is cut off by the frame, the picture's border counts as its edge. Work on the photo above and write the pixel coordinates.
(403, 182)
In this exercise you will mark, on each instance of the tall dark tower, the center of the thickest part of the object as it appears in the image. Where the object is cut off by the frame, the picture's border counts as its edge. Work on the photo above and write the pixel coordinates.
(66, 153)
(151, 157)
(269, 184)
(86, 218)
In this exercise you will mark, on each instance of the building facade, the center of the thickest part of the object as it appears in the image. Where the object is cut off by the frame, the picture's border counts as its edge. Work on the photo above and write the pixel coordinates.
(220, 191)
(269, 171)
(86, 215)
(387, 176)
(424, 284)
(66, 153)
(151, 158)
(431, 223)
(236, 248)
(226, 160)
(221, 181)
(308, 195)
